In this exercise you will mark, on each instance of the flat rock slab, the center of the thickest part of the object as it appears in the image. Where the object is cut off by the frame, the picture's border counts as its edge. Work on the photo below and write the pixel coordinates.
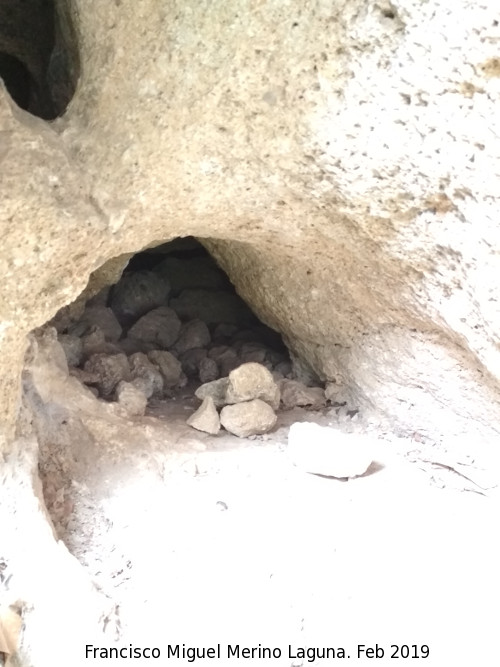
(325, 451)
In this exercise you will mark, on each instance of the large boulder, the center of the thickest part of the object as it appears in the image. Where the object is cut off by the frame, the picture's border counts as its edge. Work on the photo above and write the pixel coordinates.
(248, 418)
(250, 381)
(137, 293)
(159, 327)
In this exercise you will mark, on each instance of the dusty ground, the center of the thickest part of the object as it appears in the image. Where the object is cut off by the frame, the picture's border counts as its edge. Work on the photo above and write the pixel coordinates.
(205, 541)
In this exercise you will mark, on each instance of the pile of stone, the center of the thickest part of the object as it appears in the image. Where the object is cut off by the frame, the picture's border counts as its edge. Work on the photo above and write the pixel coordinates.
(157, 330)
(248, 399)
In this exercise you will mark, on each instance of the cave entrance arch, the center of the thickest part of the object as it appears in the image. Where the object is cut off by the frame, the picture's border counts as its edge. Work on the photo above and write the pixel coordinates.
(175, 309)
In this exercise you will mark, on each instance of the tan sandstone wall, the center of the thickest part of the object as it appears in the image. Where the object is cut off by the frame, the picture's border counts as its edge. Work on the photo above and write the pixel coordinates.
(345, 155)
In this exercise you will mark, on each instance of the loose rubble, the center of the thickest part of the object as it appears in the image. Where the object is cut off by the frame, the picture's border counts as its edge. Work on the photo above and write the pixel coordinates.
(181, 325)
(295, 393)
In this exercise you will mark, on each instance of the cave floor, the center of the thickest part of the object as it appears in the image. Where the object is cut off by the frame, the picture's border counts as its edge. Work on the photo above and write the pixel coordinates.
(221, 540)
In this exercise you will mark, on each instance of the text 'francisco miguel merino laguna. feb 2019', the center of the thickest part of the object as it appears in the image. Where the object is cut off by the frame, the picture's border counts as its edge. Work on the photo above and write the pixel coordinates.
(228, 651)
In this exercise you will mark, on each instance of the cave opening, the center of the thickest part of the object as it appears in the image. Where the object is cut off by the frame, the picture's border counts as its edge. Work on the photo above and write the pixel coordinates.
(39, 61)
(173, 328)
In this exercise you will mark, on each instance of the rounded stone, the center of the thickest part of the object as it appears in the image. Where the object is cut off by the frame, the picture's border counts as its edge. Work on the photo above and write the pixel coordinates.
(248, 418)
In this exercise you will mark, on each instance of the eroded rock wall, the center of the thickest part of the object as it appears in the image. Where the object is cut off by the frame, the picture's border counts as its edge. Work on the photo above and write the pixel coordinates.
(342, 161)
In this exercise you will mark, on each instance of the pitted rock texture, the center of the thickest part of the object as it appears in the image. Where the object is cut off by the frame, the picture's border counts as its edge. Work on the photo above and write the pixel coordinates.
(341, 169)
(248, 418)
(110, 369)
(252, 381)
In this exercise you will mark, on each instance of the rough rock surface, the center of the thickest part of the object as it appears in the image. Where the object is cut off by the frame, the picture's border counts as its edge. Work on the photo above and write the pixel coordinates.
(104, 318)
(339, 394)
(169, 366)
(208, 370)
(215, 389)
(226, 358)
(324, 451)
(206, 418)
(211, 307)
(295, 393)
(73, 348)
(190, 361)
(109, 369)
(141, 368)
(160, 326)
(194, 273)
(94, 342)
(250, 381)
(131, 399)
(138, 293)
(248, 418)
(193, 334)
(365, 231)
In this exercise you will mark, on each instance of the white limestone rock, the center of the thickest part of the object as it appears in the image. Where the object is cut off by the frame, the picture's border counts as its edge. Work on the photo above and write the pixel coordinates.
(248, 418)
(252, 380)
(325, 451)
(206, 417)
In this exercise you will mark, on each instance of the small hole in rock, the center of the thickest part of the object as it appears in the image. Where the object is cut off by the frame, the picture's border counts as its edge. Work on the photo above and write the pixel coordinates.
(17, 79)
(39, 60)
